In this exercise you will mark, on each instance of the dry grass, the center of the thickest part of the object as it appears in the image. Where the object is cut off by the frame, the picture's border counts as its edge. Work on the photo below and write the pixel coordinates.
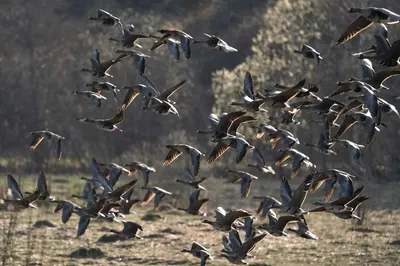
(340, 243)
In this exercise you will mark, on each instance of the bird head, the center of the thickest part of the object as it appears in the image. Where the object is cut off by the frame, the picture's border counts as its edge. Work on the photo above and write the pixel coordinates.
(81, 119)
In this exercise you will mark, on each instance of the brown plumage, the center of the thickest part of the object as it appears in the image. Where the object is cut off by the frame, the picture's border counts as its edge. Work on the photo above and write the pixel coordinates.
(56, 139)
(109, 124)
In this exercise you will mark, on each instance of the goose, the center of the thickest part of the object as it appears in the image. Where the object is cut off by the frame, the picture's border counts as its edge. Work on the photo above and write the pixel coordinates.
(129, 38)
(117, 194)
(388, 58)
(382, 44)
(100, 186)
(383, 105)
(375, 81)
(322, 107)
(225, 122)
(347, 214)
(228, 124)
(155, 193)
(266, 205)
(309, 52)
(232, 131)
(250, 230)
(366, 69)
(224, 221)
(298, 159)
(127, 202)
(200, 252)
(92, 210)
(98, 181)
(383, 53)
(249, 102)
(174, 33)
(364, 118)
(351, 106)
(281, 100)
(114, 171)
(331, 177)
(133, 91)
(324, 143)
(260, 163)
(233, 242)
(130, 230)
(368, 16)
(287, 115)
(93, 96)
(184, 38)
(353, 148)
(248, 87)
(245, 181)
(86, 188)
(213, 120)
(67, 208)
(101, 69)
(139, 59)
(276, 135)
(240, 144)
(303, 231)
(20, 202)
(156, 96)
(164, 96)
(107, 18)
(100, 86)
(305, 92)
(291, 203)
(190, 180)
(172, 45)
(163, 107)
(42, 187)
(216, 43)
(386, 107)
(134, 166)
(276, 225)
(175, 150)
(371, 101)
(109, 124)
(343, 207)
(238, 256)
(56, 139)
(110, 212)
(195, 204)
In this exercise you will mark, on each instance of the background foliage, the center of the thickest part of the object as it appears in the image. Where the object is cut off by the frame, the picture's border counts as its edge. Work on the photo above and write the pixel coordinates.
(46, 43)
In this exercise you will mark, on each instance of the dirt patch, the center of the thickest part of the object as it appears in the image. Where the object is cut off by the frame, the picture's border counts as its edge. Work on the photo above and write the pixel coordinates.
(44, 224)
(151, 217)
(93, 253)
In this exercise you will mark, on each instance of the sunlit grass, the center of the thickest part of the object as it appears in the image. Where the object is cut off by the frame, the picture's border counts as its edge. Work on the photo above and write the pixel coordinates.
(339, 243)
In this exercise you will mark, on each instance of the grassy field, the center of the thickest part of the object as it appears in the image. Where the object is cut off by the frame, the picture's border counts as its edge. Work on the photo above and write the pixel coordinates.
(168, 231)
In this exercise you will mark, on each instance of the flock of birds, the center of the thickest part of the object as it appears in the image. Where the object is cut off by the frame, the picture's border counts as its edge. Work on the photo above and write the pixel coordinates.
(105, 200)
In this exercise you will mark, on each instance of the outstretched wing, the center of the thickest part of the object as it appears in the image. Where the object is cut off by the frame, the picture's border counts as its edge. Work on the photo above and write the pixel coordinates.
(357, 26)
(36, 141)
(13, 185)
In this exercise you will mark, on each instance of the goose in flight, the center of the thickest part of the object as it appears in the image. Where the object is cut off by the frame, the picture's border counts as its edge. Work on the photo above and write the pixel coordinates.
(367, 17)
